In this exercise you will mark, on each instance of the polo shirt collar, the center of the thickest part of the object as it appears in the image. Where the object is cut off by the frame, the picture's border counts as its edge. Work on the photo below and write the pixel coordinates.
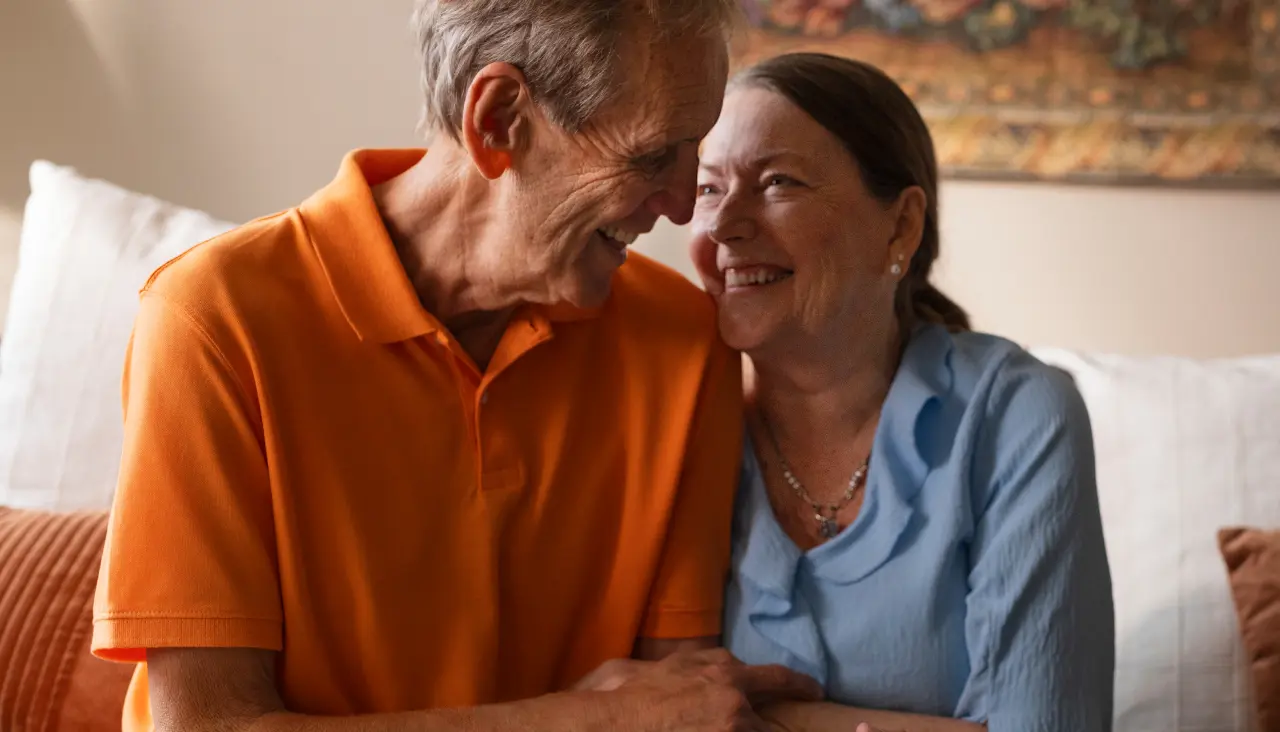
(356, 252)
(361, 262)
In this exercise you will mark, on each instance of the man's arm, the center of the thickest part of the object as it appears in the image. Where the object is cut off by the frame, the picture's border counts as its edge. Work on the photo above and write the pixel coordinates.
(233, 690)
(687, 596)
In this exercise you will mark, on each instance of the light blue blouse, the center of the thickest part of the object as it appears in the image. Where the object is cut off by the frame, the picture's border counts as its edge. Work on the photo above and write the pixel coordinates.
(974, 583)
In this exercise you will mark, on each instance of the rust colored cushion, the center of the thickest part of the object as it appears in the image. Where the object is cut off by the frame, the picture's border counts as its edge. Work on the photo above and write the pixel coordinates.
(1253, 561)
(48, 680)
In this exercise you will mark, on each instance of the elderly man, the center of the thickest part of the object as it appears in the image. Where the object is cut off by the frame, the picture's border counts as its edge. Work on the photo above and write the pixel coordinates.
(423, 452)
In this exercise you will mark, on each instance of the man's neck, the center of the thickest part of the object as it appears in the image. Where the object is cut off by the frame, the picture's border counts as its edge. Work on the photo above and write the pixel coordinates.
(446, 227)
(441, 215)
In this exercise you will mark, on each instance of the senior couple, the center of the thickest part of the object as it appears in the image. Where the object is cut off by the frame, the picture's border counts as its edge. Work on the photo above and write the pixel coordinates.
(432, 452)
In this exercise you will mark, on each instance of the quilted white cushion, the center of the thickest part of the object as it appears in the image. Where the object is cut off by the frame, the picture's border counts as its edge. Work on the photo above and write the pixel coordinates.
(1184, 447)
(87, 247)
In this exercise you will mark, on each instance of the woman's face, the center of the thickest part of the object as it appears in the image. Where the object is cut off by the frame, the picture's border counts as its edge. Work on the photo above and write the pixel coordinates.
(786, 236)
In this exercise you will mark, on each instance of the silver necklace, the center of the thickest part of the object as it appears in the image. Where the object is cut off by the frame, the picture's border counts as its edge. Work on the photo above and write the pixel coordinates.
(823, 513)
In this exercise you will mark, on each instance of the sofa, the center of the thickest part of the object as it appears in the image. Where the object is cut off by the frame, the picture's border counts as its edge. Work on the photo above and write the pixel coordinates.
(48, 679)
(1188, 460)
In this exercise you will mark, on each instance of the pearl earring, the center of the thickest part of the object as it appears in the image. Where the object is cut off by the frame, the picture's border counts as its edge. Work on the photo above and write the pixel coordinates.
(896, 269)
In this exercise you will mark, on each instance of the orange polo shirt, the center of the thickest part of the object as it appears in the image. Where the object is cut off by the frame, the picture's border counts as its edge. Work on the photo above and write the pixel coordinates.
(313, 465)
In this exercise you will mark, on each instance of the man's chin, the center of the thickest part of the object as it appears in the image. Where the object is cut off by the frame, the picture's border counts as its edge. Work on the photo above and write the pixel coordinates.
(593, 284)
(581, 293)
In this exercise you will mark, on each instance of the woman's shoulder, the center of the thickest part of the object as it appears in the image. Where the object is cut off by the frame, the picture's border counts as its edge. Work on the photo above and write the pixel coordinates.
(999, 371)
(1016, 405)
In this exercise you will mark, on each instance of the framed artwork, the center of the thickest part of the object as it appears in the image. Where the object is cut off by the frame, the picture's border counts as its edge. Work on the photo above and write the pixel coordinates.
(1165, 92)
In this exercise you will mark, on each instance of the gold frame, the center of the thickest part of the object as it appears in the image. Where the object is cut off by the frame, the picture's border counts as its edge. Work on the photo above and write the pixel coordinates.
(995, 118)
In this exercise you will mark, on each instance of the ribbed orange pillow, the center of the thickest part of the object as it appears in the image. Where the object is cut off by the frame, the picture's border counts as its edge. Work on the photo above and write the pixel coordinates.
(1253, 561)
(48, 680)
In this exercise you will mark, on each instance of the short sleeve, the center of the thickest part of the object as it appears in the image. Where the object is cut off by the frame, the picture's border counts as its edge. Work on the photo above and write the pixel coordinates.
(1040, 623)
(688, 595)
(190, 558)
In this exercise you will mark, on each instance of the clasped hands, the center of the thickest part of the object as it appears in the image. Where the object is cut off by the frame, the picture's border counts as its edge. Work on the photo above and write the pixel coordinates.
(703, 690)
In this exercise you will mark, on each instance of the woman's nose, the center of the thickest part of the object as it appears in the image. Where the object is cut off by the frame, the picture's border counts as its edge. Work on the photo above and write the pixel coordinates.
(732, 222)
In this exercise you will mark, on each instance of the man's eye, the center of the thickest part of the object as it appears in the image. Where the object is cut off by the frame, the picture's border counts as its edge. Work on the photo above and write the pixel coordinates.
(778, 180)
(656, 162)
(706, 189)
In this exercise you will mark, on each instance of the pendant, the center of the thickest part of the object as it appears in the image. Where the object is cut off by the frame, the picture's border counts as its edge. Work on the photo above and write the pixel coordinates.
(829, 527)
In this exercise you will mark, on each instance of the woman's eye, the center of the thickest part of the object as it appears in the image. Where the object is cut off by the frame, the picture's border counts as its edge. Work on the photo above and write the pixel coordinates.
(706, 189)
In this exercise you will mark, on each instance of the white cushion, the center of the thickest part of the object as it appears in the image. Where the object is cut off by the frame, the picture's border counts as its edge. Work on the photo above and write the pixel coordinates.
(1184, 447)
(86, 249)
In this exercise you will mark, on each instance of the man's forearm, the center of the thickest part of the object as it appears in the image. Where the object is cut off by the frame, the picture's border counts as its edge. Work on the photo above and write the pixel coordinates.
(233, 690)
(570, 712)
(827, 717)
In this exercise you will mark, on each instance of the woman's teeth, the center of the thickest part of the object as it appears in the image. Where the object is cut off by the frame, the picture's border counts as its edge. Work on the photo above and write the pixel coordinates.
(754, 276)
(619, 235)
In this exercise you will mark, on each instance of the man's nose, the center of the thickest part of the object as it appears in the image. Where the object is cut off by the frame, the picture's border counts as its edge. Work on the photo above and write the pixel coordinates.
(676, 198)
(675, 206)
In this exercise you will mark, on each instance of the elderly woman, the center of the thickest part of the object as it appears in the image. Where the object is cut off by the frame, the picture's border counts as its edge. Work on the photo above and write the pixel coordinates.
(918, 523)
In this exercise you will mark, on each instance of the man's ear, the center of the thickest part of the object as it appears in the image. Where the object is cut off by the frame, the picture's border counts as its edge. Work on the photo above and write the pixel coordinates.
(494, 118)
(909, 213)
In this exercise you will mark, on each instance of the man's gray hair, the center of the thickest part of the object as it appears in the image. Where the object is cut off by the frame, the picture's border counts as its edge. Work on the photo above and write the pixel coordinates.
(567, 49)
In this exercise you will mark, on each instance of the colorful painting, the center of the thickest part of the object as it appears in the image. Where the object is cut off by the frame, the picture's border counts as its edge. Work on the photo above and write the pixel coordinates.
(1105, 91)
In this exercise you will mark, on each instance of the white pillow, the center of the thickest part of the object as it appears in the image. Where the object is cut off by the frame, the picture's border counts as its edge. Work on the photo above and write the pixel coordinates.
(87, 247)
(1184, 448)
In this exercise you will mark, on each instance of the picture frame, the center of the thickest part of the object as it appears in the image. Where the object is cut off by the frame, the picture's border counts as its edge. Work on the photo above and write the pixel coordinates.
(1120, 92)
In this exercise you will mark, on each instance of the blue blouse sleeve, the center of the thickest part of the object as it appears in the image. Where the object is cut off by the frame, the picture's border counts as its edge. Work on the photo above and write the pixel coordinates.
(1040, 624)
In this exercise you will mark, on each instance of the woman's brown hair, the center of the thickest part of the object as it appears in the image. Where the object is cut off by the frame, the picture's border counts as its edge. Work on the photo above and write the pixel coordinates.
(882, 129)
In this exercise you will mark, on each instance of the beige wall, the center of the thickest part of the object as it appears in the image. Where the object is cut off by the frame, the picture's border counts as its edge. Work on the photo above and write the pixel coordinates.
(1118, 270)
(242, 107)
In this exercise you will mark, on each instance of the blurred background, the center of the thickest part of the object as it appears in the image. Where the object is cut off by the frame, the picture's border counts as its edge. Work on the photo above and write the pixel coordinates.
(244, 107)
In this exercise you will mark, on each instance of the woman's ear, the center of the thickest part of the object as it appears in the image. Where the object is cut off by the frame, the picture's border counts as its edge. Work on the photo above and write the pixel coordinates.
(493, 118)
(909, 213)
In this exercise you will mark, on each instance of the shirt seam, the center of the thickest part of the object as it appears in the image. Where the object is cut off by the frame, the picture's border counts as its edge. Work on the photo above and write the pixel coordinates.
(203, 333)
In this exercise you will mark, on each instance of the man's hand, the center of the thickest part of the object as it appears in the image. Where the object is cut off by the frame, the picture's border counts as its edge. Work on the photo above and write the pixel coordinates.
(697, 690)
(611, 674)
